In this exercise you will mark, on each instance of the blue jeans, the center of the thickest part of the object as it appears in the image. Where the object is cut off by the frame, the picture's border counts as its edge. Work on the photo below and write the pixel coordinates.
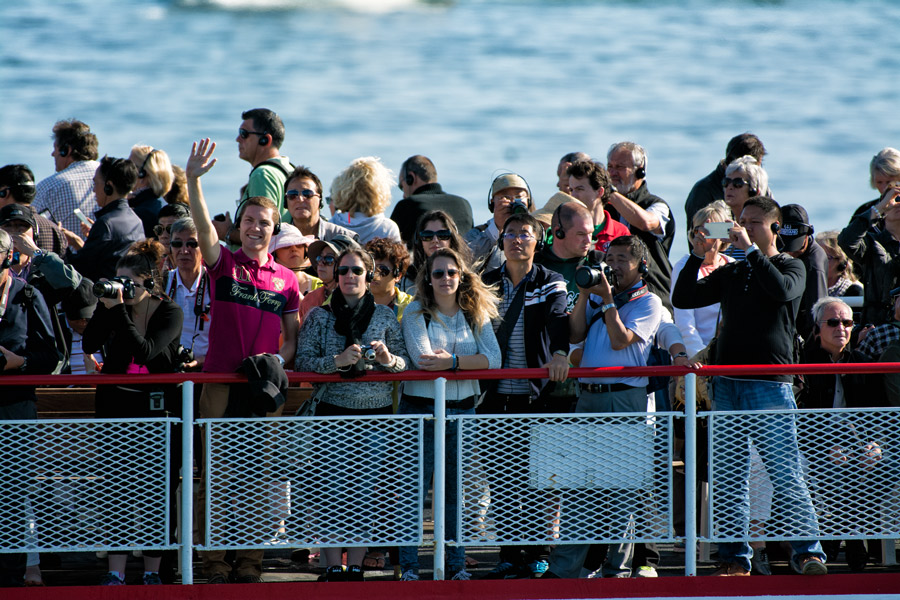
(776, 441)
(456, 555)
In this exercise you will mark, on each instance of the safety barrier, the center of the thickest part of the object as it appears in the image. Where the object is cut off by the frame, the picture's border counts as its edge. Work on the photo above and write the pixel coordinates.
(354, 482)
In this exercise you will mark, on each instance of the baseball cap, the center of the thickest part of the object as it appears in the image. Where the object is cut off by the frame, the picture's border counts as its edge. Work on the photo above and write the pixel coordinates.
(509, 180)
(289, 236)
(795, 227)
(17, 212)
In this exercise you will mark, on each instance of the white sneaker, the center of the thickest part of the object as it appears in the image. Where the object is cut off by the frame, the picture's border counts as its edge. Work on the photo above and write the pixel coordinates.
(645, 571)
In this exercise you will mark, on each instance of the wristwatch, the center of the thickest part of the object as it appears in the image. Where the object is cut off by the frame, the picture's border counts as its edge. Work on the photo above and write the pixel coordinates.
(280, 359)
(680, 355)
(606, 307)
(561, 353)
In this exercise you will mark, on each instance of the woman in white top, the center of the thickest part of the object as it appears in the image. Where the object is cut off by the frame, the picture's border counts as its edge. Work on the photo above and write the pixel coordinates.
(446, 328)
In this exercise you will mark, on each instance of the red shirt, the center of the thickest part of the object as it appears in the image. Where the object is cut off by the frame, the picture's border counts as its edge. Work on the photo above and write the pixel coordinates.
(609, 231)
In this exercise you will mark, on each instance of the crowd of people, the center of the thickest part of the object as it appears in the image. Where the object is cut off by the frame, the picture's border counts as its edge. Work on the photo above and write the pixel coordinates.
(116, 265)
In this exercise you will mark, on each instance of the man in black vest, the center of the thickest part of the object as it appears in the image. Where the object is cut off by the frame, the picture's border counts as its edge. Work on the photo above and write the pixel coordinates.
(647, 216)
(421, 194)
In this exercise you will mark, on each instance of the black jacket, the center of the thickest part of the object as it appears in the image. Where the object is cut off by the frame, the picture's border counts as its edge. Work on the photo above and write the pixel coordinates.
(146, 206)
(265, 390)
(875, 253)
(861, 390)
(659, 279)
(116, 227)
(707, 190)
(425, 199)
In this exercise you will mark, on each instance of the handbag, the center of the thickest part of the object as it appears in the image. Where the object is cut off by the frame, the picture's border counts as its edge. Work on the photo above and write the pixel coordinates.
(308, 408)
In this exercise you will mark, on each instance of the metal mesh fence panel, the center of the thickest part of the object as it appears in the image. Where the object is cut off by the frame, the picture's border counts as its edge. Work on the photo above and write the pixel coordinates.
(85, 485)
(829, 474)
(565, 478)
(313, 481)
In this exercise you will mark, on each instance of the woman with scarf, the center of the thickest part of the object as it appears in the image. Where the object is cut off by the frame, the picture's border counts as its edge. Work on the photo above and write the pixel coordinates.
(350, 335)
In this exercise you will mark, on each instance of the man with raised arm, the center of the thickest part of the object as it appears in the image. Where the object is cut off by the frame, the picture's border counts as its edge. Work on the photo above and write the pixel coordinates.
(253, 301)
(759, 298)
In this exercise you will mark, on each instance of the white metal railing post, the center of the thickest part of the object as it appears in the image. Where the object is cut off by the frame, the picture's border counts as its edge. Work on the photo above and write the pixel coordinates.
(187, 483)
(440, 474)
(690, 474)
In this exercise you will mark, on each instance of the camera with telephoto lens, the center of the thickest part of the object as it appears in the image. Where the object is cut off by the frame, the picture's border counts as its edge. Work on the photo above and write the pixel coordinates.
(109, 289)
(518, 207)
(368, 352)
(589, 276)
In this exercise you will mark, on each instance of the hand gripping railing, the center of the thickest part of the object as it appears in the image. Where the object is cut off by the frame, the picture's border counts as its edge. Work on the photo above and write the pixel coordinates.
(440, 378)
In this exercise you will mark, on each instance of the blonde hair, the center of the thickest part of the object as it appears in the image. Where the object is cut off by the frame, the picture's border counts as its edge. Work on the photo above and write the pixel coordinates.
(477, 301)
(716, 211)
(158, 167)
(829, 241)
(365, 187)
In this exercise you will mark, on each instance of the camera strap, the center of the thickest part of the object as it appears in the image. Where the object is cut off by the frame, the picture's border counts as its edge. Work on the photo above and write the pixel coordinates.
(620, 300)
(201, 310)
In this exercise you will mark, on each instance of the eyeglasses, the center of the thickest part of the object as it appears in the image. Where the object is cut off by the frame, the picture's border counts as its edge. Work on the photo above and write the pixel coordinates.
(383, 270)
(511, 198)
(426, 235)
(245, 134)
(4, 192)
(295, 194)
(160, 229)
(522, 237)
(440, 273)
(848, 323)
(325, 260)
(180, 244)
(344, 269)
(737, 183)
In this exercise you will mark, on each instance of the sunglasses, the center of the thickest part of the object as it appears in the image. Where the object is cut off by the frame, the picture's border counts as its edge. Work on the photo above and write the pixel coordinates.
(344, 269)
(848, 323)
(737, 183)
(427, 235)
(245, 134)
(325, 260)
(383, 270)
(189, 244)
(160, 229)
(439, 273)
(4, 192)
(295, 194)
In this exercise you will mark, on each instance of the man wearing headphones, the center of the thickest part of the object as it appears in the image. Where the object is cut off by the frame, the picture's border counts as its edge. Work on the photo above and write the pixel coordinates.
(422, 193)
(304, 201)
(27, 346)
(17, 187)
(259, 140)
(116, 226)
(797, 237)
(532, 332)
(254, 300)
(75, 158)
(647, 216)
(617, 321)
(759, 299)
(509, 195)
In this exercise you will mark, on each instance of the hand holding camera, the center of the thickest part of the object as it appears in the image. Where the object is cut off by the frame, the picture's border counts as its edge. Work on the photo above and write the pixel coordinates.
(599, 279)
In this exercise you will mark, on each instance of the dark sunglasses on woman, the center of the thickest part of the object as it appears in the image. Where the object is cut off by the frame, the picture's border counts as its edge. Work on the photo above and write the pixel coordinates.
(440, 273)
(427, 235)
(356, 270)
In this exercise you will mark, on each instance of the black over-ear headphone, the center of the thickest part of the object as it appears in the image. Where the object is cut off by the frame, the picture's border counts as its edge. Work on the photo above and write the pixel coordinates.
(640, 173)
(776, 227)
(264, 139)
(409, 178)
(141, 172)
(643, 269)
(491, 195)
(559, 232)
(276, 229)
(63, 150)
(6, 263)
(108, 188)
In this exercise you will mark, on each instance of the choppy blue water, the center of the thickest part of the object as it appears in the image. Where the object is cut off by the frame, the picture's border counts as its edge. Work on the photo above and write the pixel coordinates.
(477, 85)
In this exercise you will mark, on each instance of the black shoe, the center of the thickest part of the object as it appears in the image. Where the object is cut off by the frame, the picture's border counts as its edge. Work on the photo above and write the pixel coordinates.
(334, 574)
(354, 573)
(248, 579)
(217, 578)
(857, 555)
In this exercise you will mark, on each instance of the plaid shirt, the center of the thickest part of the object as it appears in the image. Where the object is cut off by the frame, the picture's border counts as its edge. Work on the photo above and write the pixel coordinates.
(63, 192)
(879, 339)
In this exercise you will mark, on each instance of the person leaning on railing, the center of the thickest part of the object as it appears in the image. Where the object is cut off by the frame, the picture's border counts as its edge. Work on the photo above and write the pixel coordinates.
(349, 336)
(139, 329)
(447, 328)
(857, 453)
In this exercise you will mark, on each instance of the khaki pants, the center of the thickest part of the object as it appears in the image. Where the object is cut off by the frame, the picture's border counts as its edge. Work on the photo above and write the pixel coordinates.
(213, 402)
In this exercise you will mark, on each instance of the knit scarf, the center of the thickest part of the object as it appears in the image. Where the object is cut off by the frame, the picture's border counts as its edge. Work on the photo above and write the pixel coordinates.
(352, 322)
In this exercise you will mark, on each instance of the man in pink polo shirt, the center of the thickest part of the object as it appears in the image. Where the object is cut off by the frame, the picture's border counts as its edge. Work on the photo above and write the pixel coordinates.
(254, 301)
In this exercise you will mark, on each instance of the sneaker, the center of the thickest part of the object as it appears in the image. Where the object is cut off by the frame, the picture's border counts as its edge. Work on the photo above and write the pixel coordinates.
(217, 578)
(151, 579)
(537, 568)
(461, 576)
(354, 573)
(645, 571)
(504, 570)
(759, 562)
(252, 578)
(813, 565)
(409, 575)
(730, 570)
(110, 579)
(335, 573)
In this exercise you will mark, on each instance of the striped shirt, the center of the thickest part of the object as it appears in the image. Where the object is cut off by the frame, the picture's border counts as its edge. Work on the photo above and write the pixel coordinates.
(514, 357)
(63, 192)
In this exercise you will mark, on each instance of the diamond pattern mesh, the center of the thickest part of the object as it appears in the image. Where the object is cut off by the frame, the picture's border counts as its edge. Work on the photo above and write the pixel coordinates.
(828, 474)
(591, 479)
(81, 485)
(314, 481)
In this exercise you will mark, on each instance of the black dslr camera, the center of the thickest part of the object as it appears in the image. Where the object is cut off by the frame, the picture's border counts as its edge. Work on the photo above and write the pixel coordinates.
(518, 207)
(589, 276)
(109, 289)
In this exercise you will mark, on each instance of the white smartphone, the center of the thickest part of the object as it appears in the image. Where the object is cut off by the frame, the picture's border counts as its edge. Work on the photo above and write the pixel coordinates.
(81, 217)
(718, 230)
